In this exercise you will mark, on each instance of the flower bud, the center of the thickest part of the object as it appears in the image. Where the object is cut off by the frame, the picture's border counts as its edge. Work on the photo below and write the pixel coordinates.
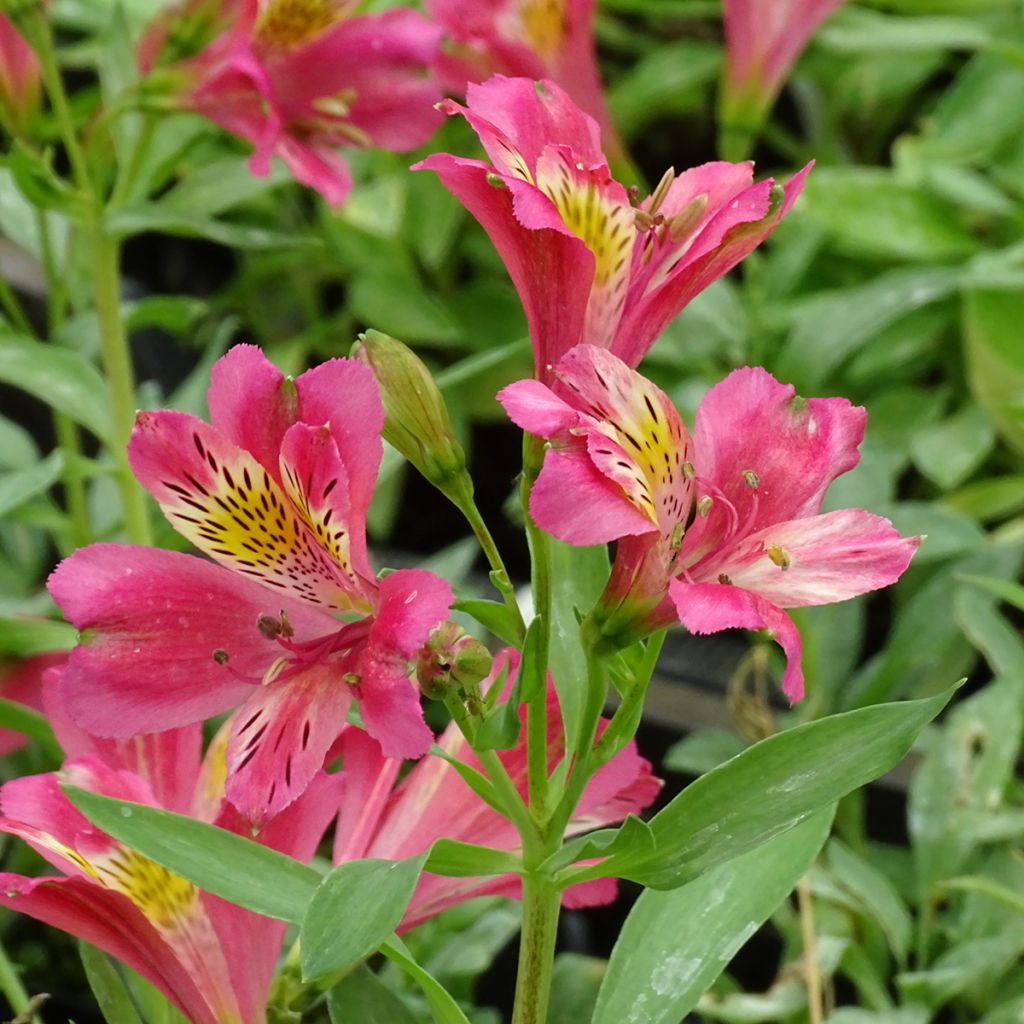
(416, 418)
(451, 660)
(19, 79)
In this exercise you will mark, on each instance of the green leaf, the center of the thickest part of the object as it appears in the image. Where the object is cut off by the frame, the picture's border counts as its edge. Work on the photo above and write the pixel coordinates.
(442, 1005)
(944, 533)
(703, 750)
(870, 213)
(456, 859)
(995, 358)
(17, 449)
(990, 499)
(578, 575)
(21, 485)
(138, 218)
(947, 453)
(769, 788)
(25, 637)
(532, 671)
(675, 944)
(362, 998)
(356, 907)
(59, 377)
(575, 982)
(492, 615)
(1005, 590)
(856, 30)
(230, 866)
(875, 893)
(118, 70)
(109, 986)
(31, 724)
(989, 631)
(221, 184)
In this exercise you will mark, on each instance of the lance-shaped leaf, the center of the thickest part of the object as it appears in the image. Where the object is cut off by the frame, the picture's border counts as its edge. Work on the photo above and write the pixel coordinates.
(674, 944)
(768, 789)
(225, 864)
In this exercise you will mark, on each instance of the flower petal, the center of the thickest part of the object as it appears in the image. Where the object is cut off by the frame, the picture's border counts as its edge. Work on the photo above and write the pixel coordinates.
(151, 622)
(279, 738)
(412, 603)
(228, 505)
(820, 559)
(712, 607)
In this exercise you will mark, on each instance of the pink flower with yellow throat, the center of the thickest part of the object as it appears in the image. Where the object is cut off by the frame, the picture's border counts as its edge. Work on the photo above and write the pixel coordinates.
(301, 78)
(588, 265)
(720, 530)
(291, 622)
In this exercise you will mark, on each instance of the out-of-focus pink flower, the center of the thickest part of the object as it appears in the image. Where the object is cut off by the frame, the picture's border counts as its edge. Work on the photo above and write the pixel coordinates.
(762, 43)
(529, 39)
(378, 819)
(588, 266)
(213, 960)
(276, 491)
(301, 78)
(22, 682)
(719, 531)
(19, 78)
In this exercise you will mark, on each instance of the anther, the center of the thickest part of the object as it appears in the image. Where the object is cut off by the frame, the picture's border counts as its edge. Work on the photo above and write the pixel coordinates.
(704, 506)
(660, 192)
(688, 470)
(676, 540)
(752, 479)
(352, 678)
(779, 556)
(220, 656)
(495, 180)
(682, 224)
(268, 626)
(724, 579)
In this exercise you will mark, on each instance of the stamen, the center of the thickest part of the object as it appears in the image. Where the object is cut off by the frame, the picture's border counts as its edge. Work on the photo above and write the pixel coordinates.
(780, 556)
(753, 481)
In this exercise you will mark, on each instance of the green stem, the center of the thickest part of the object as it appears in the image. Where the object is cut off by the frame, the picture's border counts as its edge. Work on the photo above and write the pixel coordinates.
(541, 904)
(537, 708)
(13, 990)
(106, 253)
(501, 578)
(12, 307)
(126, 179)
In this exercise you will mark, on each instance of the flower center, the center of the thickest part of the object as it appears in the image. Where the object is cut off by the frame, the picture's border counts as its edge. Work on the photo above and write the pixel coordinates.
(542, 25)
(290, 23)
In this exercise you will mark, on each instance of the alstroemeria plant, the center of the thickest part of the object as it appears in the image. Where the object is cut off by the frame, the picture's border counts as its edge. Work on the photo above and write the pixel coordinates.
(291, 624)
(589, 266)
(722, 530)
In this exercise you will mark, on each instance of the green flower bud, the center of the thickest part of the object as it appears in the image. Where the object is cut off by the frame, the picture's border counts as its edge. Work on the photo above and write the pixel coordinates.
(416, 418)
(451, 660)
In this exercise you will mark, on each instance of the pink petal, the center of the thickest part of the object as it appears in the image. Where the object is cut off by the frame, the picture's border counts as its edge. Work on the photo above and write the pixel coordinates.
(314, 164)
(111, 922)
(535, 408)
(22, 683)
(228, 505)
(795, 448)
(316, 481)
(712, 607)
(151, 621)
(251, 403)
(577, 503)
(279, 738)
(412, 603)
(551, 271)
(368, 777)
(343, 394)
(827, 558)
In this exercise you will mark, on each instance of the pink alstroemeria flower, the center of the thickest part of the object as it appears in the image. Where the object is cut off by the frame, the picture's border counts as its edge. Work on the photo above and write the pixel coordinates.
(432, 801)
(529, 39)
(720, 531)
(20, 80)
(762, 43)
(588, 266)
(292, 623)
(211, 959)
(300, 78)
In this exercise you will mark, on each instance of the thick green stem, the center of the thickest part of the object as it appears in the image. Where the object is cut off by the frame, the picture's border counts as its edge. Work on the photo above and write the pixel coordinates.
(117, 367)
(541, 904)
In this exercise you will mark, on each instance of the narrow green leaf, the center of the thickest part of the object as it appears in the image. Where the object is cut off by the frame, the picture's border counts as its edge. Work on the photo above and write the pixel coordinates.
(141, 217)
(1005, 590)
(465, 860)
(31, 724)
(492, 615)
(442, 1005)
(769, 788)
(58, 376)
(21, 485)
(25, 637)
(532, 671)
(362, 998)
(230, 866)
(356, 907)
(109, 986)
(675, 944)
